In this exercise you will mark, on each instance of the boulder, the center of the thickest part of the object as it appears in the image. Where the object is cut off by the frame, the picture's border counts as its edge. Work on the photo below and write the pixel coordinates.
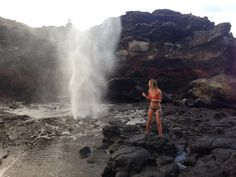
(218, 91)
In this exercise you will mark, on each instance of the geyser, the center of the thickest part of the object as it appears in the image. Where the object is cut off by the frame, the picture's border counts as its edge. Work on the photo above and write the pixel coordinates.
(91, 54)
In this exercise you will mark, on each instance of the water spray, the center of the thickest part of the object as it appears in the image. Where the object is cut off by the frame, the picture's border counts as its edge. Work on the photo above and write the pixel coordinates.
(92, 56)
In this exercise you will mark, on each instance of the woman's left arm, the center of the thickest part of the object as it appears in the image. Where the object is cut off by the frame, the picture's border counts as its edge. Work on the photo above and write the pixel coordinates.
(160, 96)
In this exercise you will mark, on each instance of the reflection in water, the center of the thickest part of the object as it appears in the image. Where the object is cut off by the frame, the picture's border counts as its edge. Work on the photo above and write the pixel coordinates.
(4, 169)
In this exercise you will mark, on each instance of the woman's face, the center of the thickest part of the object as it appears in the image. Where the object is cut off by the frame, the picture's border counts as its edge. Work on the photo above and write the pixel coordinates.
(149, 84)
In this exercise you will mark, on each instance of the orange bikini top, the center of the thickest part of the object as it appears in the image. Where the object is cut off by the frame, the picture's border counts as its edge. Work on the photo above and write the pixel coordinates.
(155, 97)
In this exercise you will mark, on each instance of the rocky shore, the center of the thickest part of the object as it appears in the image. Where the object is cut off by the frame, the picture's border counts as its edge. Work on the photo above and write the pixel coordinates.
(196, 142)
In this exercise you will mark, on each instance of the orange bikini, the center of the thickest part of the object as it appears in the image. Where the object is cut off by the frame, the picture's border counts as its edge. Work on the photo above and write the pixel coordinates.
(155, 99)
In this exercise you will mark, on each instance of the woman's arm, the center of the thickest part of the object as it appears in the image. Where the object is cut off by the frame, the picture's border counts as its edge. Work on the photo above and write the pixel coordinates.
(160, 95)
(144, 95)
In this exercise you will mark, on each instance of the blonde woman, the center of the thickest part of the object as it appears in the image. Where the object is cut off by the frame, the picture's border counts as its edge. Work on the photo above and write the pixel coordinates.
(155, 97)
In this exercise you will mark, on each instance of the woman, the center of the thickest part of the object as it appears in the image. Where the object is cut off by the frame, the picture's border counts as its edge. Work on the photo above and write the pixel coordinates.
(155, 97)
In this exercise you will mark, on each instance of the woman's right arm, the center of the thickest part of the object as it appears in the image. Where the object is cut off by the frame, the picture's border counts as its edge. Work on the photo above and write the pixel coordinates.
(144, 95)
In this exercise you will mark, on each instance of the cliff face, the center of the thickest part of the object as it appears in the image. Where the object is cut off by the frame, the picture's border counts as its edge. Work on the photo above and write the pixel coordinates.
(171, 47)
(231, 70)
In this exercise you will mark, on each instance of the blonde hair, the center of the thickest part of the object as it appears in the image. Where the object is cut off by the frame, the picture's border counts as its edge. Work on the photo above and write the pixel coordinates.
(153, 83)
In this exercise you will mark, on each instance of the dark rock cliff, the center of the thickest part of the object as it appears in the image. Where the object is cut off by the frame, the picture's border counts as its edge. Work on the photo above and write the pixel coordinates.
(173, 48)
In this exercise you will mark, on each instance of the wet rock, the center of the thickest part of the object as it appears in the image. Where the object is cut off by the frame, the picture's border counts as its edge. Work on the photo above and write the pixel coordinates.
(163, 160)
(198, 102)
(219, 116)
(149, 171)
(108, 172)
(204, 145)
(134, 151)
(129, 159)
(112, 130)
(170, 170)
(122, 174)
(85, 152)
(3, 154)
(160, 145)
(190, 160)
(138, 140)
(218, 163)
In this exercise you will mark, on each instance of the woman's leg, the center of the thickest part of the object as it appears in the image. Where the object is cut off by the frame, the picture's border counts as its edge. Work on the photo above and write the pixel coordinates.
(158, 122)
(150, 112)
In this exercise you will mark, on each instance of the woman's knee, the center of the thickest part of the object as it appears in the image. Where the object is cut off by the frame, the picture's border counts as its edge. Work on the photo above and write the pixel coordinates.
(158, 118)
(159, 125)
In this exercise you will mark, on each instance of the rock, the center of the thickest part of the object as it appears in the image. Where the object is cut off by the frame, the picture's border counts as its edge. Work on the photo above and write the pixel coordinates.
(217, 91)
(170, 170)
(134, 152)
(208, 165)
(149, 171)
(219, 116)
(160, 145)
(163, 160)
(125, 89)
(3, 154)
(206, 144)
(194, 138)
(130, 157)
(122, 174)
(138, 140)
(138, 46)
(231, 70)
(180, 46)
(127, 159)
(85, 152)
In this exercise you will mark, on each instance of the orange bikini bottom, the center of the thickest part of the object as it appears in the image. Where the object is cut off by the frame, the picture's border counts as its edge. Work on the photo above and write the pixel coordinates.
(155, 107)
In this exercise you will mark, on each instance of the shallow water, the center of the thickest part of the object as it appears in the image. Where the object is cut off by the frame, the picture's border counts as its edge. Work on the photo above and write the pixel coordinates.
(61, 158)
(40, 110)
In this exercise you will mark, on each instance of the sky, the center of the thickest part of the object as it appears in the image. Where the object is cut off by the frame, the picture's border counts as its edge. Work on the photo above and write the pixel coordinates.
(86, 13)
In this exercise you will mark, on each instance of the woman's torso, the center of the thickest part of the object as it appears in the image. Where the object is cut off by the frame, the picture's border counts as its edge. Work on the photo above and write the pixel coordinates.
(155, 97)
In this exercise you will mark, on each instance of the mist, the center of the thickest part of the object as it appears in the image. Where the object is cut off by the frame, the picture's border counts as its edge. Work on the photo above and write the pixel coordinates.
(90, 58)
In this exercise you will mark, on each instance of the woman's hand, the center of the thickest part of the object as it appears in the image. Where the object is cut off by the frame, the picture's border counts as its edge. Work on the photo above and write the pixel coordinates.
(144, 95)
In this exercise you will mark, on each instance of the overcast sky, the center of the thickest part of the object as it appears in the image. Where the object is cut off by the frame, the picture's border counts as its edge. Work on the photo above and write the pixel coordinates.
(86, 13)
